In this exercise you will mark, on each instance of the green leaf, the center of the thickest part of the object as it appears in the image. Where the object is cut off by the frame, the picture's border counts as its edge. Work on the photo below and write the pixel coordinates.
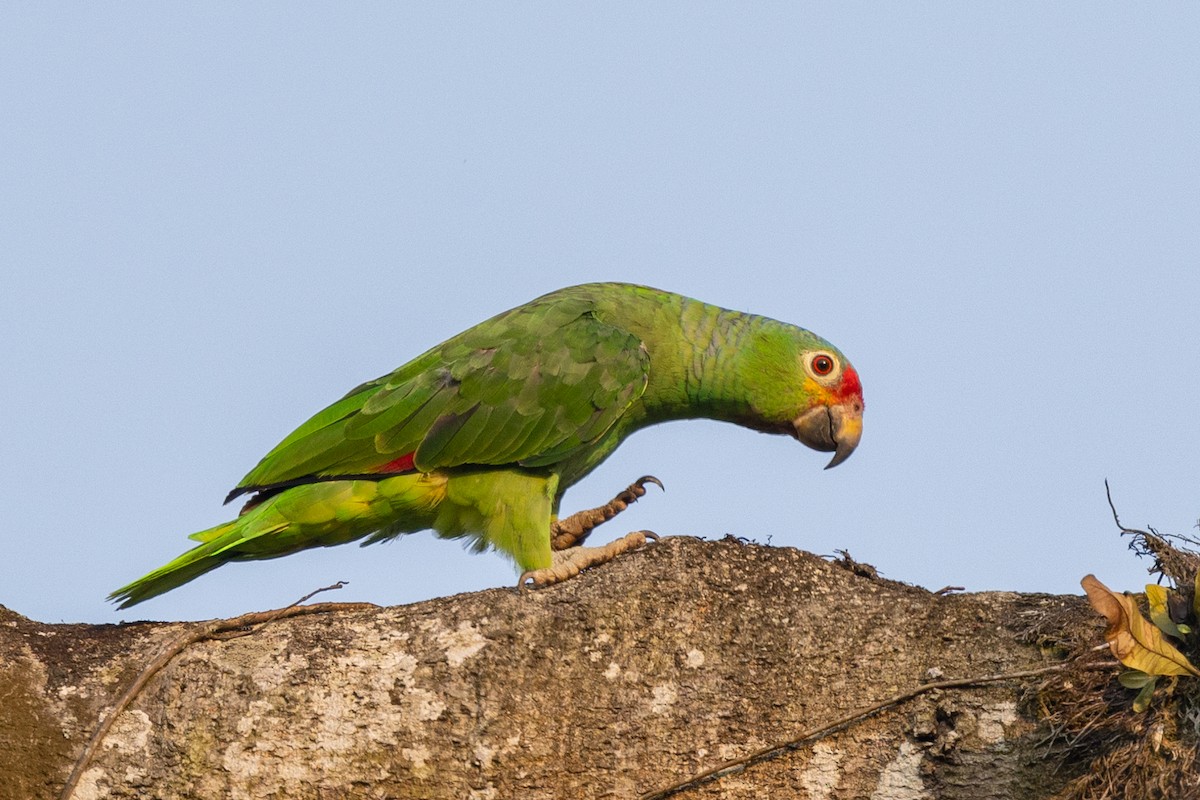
(1142, 701)
(1157, 598)
(1135, 679)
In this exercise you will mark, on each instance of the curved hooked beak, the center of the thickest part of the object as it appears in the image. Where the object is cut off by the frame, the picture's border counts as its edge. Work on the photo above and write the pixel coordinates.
(834, 429)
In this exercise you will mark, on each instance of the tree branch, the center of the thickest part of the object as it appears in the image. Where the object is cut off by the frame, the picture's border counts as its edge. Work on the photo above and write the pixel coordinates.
(220, 629)
(810, 736)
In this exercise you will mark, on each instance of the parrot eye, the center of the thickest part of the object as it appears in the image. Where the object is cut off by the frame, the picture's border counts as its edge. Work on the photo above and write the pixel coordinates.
(822, 364)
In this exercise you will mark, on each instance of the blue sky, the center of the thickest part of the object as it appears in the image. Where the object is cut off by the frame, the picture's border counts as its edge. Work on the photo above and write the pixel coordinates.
(217, 218)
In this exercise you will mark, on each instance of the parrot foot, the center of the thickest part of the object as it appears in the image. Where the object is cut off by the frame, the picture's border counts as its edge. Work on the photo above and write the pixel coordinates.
(574, 529)
(569, 563)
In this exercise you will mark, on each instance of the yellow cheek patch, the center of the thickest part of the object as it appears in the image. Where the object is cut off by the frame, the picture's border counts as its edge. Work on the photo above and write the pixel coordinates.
(818, 392)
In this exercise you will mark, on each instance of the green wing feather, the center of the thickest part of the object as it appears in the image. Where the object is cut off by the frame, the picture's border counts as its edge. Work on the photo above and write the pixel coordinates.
(529, 387)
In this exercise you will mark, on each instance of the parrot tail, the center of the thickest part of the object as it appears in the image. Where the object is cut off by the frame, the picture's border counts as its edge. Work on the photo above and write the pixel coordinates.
(190, 565)
(310, 515)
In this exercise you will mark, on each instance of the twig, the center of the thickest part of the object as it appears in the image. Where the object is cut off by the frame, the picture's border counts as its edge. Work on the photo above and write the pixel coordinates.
(809, 736)
(1117, 519)
(1174, 555)
(220, 629)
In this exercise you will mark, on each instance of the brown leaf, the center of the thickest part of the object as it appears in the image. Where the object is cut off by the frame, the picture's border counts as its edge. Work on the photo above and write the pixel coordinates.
(1133, 640)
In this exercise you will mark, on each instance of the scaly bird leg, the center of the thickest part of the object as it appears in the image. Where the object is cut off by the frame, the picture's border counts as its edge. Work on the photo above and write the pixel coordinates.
(574, 529)
(569, 563)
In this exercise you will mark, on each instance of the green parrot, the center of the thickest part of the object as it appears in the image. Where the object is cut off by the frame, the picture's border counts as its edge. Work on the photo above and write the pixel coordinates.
(479, 437)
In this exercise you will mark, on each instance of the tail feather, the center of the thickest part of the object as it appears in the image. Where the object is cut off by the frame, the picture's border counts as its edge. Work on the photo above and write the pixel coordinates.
(312, 515)
(209, 534)
(161, 581)
(190, 565)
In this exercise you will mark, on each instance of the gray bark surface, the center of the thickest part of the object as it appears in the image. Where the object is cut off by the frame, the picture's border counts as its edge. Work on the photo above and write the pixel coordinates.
(630, 677)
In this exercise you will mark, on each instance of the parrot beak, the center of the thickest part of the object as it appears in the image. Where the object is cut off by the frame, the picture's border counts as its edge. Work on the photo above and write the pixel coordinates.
(835, 429)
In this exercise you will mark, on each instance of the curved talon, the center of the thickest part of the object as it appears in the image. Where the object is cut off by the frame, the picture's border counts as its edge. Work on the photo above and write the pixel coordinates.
(572, 530)
(651, 535)
(642, 481)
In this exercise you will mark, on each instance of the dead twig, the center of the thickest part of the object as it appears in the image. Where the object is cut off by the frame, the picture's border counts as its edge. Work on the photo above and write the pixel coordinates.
(220, 629)
(1179, 564)
(810, 736)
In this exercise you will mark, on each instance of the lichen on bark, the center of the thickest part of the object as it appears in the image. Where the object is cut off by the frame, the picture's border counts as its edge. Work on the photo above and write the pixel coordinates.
(632, 676)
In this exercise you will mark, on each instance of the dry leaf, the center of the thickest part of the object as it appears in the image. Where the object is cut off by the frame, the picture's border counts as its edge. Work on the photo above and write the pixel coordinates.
(1133, 639)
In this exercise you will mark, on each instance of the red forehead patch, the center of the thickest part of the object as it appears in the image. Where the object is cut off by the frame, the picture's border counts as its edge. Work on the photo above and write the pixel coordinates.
(850, 385)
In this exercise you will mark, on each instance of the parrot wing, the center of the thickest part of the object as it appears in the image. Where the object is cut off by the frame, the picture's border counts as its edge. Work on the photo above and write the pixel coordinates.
(527, 387)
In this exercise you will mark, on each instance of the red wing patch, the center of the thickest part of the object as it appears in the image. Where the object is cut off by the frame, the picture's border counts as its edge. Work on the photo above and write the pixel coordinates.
(402, 464)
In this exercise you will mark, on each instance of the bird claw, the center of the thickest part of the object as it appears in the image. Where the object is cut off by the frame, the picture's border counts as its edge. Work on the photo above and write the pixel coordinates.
(571, 531)
(569, 563)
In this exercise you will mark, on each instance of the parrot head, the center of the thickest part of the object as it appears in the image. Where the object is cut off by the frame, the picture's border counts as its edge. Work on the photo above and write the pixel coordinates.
(803, 386)
(832, 423)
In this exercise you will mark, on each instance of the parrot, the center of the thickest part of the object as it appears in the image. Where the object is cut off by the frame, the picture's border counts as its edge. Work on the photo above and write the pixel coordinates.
(479, 437)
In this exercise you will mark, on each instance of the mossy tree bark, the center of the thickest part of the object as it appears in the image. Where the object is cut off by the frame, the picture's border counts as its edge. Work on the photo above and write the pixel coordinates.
(628, 678)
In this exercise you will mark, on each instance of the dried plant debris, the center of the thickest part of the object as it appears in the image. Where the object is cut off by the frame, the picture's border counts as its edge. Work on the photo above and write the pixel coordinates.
(1138, 730)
